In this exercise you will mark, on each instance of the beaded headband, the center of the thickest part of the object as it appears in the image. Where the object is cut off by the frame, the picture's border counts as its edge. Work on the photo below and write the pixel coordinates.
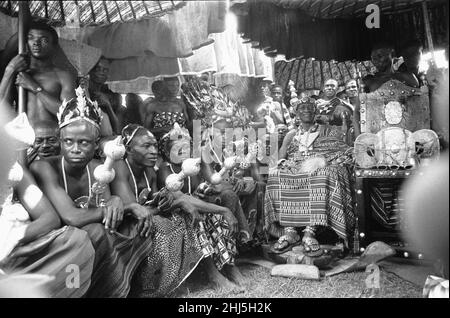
(80, 108)
(129, 132)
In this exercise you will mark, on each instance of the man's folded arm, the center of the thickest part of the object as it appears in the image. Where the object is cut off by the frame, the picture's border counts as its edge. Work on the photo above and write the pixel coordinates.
(68, 212)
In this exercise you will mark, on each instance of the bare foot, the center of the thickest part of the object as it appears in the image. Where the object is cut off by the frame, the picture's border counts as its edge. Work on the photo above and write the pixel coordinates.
(234, 274)
(219, 281)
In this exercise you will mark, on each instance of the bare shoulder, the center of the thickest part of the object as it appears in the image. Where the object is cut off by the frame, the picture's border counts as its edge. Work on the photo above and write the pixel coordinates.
(121, 168)
(94, 163)
(147, 100)
(151, 173)
(63, 74)
(44, 167)
(151, 106)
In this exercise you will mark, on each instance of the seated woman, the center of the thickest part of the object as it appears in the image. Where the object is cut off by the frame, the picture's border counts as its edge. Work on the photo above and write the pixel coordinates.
(32, 242)
(167, 110)
(215, 236)
(312, 187)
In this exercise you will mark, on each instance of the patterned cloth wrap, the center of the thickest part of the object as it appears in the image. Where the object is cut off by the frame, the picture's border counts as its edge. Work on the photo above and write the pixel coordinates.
(51, 254)
(329, 145)
(214, 234)
(127, 264)
(217, 241)
(167, 119)
(322, 197)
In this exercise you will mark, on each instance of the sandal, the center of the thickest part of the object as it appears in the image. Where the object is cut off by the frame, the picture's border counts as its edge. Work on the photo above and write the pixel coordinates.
(244, 237)
(310, 243)
(290, 237)
(312, 247)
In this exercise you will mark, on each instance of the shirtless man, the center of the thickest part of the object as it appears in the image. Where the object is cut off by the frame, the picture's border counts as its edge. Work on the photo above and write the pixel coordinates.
(66, 178)
(382, 58)
(68, 182)
(109, 102)
(46, 85)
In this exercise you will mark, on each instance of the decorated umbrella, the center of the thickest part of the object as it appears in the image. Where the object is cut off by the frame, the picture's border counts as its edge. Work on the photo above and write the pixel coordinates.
(310, 74)
(291, 27)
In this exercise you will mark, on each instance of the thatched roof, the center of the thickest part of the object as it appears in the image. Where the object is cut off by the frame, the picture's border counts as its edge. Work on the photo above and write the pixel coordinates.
(93, 12)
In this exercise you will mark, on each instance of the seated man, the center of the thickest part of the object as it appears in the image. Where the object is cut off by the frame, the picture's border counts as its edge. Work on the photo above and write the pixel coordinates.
(311, 188)
(218, 119)
(40, 246)
(382, 58)
(175, 252)
(46, 143)
(31, 240)
(221, 209)
(67, 180)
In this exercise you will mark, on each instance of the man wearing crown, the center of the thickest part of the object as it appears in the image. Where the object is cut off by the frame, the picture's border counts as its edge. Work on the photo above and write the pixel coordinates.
(68, 181)
(33, 244)
(46, 85)
(310, 188)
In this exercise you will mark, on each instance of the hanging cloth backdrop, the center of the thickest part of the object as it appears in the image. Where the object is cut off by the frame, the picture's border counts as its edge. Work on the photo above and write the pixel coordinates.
(228, 56)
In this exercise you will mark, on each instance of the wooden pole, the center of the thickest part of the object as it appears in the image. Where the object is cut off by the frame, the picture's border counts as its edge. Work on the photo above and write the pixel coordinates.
(426, 22)
(22, 50)
(22, 98)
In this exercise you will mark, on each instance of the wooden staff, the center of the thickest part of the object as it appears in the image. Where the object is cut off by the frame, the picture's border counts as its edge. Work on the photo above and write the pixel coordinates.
(22, 102)
(23, 8)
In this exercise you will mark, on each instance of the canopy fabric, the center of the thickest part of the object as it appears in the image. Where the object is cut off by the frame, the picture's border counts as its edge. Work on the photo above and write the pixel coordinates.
(299, 33)
(150, 47)
(347, 8)
(228, 56)
(309, 74)
(93, 12)
(173, 35)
